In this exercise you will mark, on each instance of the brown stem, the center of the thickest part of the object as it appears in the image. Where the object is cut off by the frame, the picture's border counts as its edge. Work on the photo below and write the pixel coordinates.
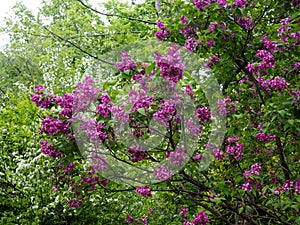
(286, 170)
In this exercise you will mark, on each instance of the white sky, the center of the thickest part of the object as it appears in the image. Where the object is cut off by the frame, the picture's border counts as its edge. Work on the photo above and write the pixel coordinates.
(5, 11)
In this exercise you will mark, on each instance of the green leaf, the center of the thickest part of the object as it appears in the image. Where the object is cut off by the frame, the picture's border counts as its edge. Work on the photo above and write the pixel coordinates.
(142, 111)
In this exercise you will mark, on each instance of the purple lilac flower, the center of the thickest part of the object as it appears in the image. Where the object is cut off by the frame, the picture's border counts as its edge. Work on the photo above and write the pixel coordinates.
(177, 157)
(210, 42)
(222, 3)
(183, 212)
(40, 99)
(103, 109)
(144, 191)
(165, 113)
(75, 203)
(118, 113)
(193, 130)
(84, 94)
(201, 219)
(244, 22)
(191, 44)
(240, 3)
(189, 91)
(265, 56)
(198, 157)
(255, 168)
(212, 61)
(164, 33)
(265, 137)
(129, 219)
(99, 163)
(203, 114)
(126, 64)
(186, 222)
(212, 26)
(144, 220)
(53, 126)
(138, 153)
(279, 83)
(172, 66)
(287, 186)
(162, 172)
(217, 153)
(54, 188)
(277, 191)
(270, 45)
(234, 148)
(201, 4)
(297, 187)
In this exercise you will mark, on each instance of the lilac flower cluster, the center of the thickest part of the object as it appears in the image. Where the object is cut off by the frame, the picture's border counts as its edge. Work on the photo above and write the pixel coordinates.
(287, 186)
(126, 64)
(270, 45)
(40, 100)
(265, 137)
(189, 91)
(67, 168)
(118, 113)
(65, 101)
(222, 3)
(297, 187)
(49, 150)
(99, 163)
(164, 33)
(244, 22)
(234, 148)
(225, 108)
(210, 43)
(165, 113)
(213, 60)
(217, 153)
(248, 186)
(296, 93)
(75, 203)
(172, 66)
(197, 157)
(240, 3)
(192, 128)
(212, 26)
(283, 28)
(138, 153)
(267, 62)
(53, 126)
(177, 157)
(279, 83)
(190, 34)
(84, 94)
(103, 108)
(255, 168)
(201, 4)
(265, 56)
(130, 219)
(144, 191)
(161, 172)
(203, 114)
(142, 103)
(94, 131)
(201, 219)
(183, 212)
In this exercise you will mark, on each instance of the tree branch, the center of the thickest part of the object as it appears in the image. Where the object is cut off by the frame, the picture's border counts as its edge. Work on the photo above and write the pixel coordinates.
(119, 16)
(76, 46)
